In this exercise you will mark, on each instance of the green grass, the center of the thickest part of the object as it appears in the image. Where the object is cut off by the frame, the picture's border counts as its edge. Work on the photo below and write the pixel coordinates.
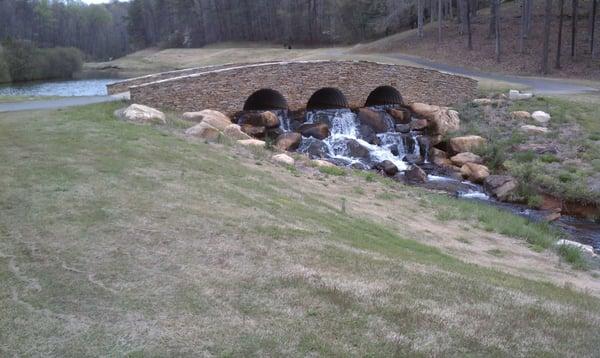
(573, 256)
(335, 171)
(126, 240)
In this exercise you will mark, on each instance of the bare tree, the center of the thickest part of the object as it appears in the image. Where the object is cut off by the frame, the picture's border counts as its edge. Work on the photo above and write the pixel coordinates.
(523, 34)
(468, 19)
(592, 25)
(561, 5)
(492, 29)
(420, 18)
(439, 19)
(574, 17)
(547, 23)
(497, 28)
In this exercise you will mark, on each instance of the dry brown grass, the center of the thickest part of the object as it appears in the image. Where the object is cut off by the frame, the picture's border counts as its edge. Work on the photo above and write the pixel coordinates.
(118, 239)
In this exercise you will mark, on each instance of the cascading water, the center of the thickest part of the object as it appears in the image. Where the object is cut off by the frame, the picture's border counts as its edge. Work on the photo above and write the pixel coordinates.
(347, 144)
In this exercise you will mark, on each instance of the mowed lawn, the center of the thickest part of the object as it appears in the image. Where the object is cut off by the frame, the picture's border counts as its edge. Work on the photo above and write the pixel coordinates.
(126, 240)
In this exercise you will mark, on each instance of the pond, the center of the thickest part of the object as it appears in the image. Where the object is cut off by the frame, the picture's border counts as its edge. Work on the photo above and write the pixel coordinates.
(71, 88)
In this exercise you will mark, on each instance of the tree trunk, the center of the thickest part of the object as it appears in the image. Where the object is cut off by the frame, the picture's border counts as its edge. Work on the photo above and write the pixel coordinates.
(420, 18)
(462, 8)
(439, 14)
(523, 26)
(561, 4)
(468, 19)
(574, 27)
(493, 9)
(528, 10)
(547, 23)
(592, 26)
(431, 12)
(497, 28)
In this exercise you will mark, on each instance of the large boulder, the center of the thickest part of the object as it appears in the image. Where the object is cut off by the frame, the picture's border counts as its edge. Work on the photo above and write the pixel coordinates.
(315, 148)
(260, 119)
(533, 130)
(475, 172)
(419, 124)
(321, 163)
(541, 117)
(356, 150)
(400, 115)
(288, 141)
(214, 118)
(466, 143)
(204, 131)
(415, 175)
(521, 115)
(373, 119)
(389, 168)
(316, 130)
(252, 143)
(367, 134)
(467, 157)
(284, 159)
(442, 119)
(138, 113)
(502, 187)
(253, 131)
(234, 131)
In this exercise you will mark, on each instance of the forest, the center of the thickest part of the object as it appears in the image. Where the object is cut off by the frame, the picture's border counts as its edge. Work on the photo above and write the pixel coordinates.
(112, 30)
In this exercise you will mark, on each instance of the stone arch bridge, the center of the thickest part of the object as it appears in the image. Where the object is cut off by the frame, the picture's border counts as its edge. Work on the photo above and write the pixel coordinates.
(226, 88)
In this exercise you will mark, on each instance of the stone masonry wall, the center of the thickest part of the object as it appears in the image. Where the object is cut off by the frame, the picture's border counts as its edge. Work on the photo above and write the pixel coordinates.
(227, 89)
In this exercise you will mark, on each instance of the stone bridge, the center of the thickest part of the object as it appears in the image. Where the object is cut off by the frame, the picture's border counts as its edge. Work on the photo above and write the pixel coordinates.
(226, 88)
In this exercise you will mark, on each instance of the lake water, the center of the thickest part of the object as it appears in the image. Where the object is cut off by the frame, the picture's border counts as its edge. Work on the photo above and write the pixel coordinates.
(71, 88)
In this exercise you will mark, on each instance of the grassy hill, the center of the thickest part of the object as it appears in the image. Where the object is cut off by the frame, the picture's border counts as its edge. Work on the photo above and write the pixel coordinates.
(125, 240)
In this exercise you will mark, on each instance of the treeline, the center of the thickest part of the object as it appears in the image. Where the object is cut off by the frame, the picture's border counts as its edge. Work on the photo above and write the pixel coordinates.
(193, 23)
(21, 60)
(100, 31)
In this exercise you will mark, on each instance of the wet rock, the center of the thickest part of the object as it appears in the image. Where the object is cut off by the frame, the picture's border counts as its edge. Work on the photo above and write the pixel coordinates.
(252, 143)
(515, 95)
(356, 150)
(402, 128)
(389, 168)
(400, 115)
(367, 134)
(214, 118)
(466, 157)
(141, 114)
(273, 133)
(413, 158)
(284, 159)
(415, 175)
(316, 130)
(541, 117)
(259, 119)
(234, 131)
(419, 124)
(253, 131)
(521, 115)
(315, 148)
(533, 130)
(466, 143)
(442, 119)
(204, 131)
(373, 119)
(289, 141)
(502, 187)
(438, 153)
(475, 172)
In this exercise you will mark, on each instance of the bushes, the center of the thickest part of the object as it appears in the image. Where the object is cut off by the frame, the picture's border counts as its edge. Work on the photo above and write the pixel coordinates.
(25, 62)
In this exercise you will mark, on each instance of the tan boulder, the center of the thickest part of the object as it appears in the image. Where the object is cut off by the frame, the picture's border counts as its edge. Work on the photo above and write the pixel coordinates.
(533, 130)
(475, 172)
(138, 113)
(288, 141)
(321, 163)
(503, 187)
(204, 131)
(467, 143)
(415, 175)
(214, 118)
(252, 143)
(234, 131)
(466, 157)
(284, 159)
(442, 119)
(253, 131)
(263, 119)
(521, 115)
(400, 116)
(316, 130)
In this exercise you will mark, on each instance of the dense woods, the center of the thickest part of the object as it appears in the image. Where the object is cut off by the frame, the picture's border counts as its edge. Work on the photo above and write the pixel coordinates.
(100, 31)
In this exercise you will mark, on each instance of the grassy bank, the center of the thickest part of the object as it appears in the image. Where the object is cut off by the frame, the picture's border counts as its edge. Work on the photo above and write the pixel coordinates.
(117, 239)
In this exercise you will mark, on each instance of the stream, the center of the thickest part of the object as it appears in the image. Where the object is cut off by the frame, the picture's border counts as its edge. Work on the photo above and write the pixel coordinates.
(70, 88)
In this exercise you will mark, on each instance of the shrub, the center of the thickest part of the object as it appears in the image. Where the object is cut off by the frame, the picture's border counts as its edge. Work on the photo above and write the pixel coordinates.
(573, 256)
(26, 62)
(332, 171)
